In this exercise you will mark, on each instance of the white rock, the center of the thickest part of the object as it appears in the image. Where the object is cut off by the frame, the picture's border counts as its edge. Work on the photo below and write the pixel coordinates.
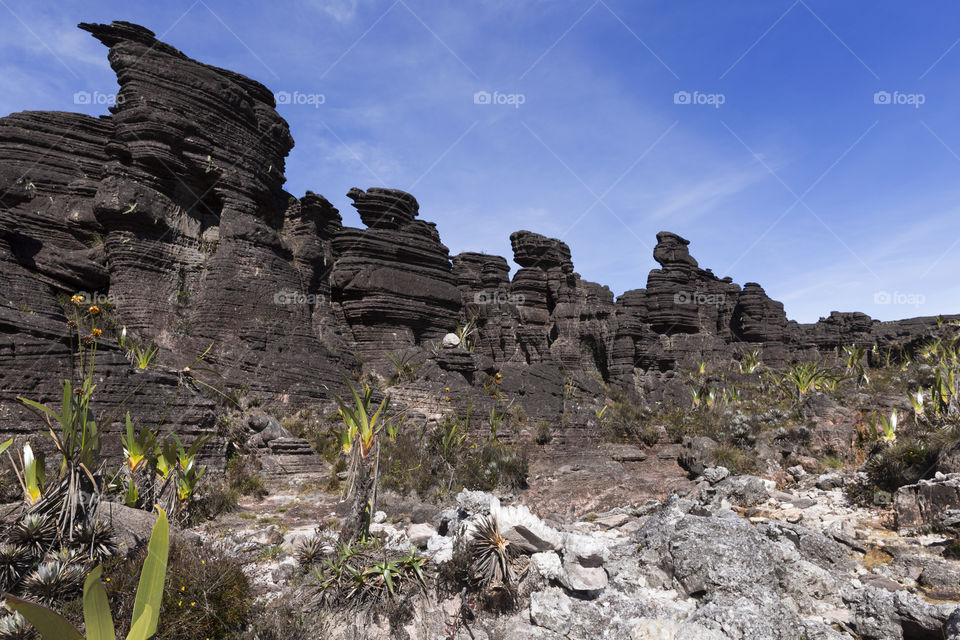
(547, 565)
(713, 475)
(440, 548)
(550, 609)
(450, 341)
(419, 534)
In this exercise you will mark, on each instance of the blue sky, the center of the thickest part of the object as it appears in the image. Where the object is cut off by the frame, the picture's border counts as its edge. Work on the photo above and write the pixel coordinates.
(781, 163)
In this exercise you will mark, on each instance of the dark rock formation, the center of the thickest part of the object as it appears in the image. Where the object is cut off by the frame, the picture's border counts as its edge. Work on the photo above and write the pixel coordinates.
(392, 282)
(172, 208)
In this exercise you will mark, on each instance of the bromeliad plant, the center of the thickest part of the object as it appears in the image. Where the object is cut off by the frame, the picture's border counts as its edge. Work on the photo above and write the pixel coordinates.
(884, 429)
(97, 619)
(750, 361)
(359, 441)
(802, 379)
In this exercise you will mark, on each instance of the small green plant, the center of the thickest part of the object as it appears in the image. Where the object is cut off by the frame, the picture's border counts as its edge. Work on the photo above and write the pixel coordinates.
(883, 428)
(143, 356)
(466, 333)
(802, 379)
(401, 362)
(750, 361)
(96, 609)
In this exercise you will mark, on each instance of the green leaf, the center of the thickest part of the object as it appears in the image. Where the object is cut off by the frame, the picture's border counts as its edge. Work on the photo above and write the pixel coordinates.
(141, 628)
(51, 625)
(42, 407)
(150, 590)
(6, 445)
(96, 609)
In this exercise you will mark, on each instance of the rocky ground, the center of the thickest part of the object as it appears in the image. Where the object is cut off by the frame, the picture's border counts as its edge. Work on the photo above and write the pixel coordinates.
(719, 557)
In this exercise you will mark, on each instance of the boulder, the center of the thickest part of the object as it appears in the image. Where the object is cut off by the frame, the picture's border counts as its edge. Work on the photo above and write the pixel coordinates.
(923, 506)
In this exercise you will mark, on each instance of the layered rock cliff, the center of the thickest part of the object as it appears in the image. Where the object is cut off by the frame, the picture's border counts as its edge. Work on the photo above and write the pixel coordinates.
(172, 209)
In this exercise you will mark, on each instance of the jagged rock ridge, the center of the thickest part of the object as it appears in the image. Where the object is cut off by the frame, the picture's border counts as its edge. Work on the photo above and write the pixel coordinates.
(172, 208)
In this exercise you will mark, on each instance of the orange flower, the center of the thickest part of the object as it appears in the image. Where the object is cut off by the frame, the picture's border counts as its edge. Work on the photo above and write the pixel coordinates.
(94, 310)
(97, 332)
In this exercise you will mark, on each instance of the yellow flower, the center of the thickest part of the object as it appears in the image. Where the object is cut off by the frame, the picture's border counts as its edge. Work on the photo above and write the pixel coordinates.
(94, 310)
(97, 332)
(77, 300)
(446, 388)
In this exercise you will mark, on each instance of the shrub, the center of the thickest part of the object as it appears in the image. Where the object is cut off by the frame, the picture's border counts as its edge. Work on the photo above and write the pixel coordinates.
(206, 595)
(544, 433)
(733, 458)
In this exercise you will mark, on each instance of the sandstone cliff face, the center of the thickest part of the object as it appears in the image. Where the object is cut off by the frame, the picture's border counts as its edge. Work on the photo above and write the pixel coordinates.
(172, 208)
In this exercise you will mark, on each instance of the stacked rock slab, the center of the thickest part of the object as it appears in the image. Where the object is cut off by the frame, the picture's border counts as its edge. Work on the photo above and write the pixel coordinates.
(172, 210)
(392, 282)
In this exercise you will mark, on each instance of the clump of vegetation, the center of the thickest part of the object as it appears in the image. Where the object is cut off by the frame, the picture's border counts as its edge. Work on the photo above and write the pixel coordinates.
(361, 575)
(447, 458)
(206, 595)
(905, 448)
(405, 370)
(243, 478)
(624, 420)
(98, 621)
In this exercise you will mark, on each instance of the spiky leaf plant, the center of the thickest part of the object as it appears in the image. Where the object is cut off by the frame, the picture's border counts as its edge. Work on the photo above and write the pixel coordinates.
(36, 532)
(95, 540)
(491, 554)
(55, 581)
(15, 561)
(16, 627)
(310, 552)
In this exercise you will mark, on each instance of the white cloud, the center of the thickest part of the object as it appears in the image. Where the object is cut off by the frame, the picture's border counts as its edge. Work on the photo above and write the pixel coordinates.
(342, 11)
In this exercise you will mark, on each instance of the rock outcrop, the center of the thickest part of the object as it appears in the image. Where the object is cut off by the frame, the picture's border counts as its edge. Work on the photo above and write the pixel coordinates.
(171, 209)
